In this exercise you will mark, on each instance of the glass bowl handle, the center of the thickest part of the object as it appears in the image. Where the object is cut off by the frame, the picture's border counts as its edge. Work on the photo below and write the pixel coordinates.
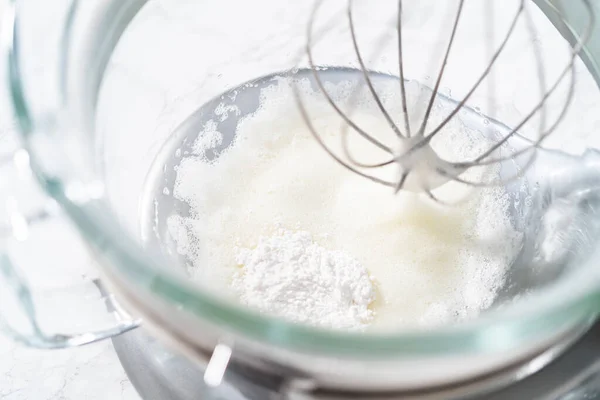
(48, 299)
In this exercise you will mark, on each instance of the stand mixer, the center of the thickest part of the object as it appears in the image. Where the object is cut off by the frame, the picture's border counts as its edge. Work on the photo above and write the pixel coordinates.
(120, 81)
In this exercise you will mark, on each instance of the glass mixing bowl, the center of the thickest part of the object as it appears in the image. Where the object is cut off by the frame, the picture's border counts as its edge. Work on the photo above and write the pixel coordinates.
(105, 94)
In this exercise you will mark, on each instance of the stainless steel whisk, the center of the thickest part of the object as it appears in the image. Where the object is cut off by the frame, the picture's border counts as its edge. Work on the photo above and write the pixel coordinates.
(412, 151)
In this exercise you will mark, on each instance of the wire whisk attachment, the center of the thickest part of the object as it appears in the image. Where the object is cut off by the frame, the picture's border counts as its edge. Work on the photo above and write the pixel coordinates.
(420, 168)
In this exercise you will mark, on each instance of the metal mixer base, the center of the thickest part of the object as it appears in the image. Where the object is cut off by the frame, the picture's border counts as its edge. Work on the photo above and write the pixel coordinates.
(158, 373)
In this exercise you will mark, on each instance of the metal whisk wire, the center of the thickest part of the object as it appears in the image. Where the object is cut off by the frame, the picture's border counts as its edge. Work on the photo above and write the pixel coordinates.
(419, 138)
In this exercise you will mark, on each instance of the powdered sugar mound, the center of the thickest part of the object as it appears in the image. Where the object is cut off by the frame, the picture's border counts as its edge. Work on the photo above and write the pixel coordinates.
(290, 276)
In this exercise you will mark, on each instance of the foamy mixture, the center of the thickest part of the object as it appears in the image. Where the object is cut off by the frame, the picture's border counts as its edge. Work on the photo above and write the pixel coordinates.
(428, 264)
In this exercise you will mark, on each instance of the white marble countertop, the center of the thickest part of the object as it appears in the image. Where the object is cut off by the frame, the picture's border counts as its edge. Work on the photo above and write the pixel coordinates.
(91, 372)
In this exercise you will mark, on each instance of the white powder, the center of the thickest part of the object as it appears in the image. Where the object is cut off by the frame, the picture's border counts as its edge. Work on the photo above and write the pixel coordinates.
(432, 264)
(290, 276)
